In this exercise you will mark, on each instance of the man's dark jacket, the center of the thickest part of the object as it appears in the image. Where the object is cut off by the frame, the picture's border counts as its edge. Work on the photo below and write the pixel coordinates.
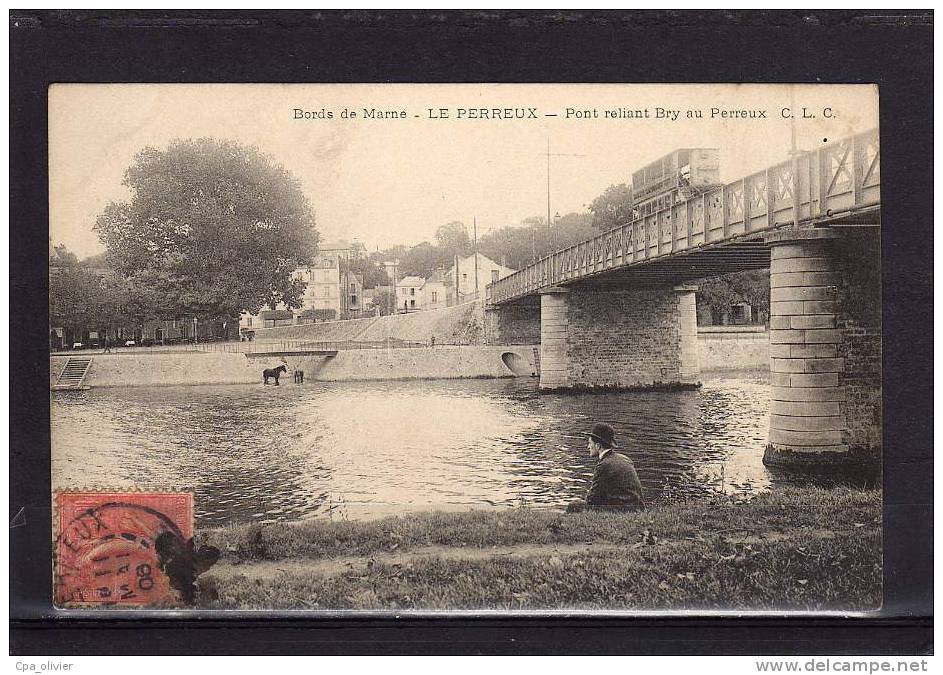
(615, 483)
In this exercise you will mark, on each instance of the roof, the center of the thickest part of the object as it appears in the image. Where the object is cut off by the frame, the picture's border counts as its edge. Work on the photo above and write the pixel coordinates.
(335, 245)
(411, 281)
(481, 258)
(440, 277)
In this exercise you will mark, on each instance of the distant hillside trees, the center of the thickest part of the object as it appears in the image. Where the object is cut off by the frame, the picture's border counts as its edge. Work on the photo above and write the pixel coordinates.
(514, 246)
(517, 246)
(453, 239)
(366, 265)
(612, 208)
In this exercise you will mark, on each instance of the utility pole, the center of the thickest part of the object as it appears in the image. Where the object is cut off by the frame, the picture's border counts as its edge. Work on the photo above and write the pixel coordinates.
(549, 155)
(395, 275)
(533, 244)
(475, 248)
(347, 283)
(548, 182)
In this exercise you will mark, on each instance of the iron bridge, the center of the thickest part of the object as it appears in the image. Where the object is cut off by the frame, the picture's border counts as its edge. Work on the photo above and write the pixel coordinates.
(722, 230)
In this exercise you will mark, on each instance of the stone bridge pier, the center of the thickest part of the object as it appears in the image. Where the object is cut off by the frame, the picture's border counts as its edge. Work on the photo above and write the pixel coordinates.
(618, 339)
(825, 344)
(825, 350)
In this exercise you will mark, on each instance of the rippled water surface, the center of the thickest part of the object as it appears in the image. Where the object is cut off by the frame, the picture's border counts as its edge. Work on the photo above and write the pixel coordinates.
(255, 453)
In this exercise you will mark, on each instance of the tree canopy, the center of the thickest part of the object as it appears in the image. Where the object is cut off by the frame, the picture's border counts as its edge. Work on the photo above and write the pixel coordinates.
(518, 246)
(62, 257)
(81, 296)
(421, 259)
(717, 294)
(613, 207)
(515, 246)
(364, 264)
(212, 228)
(453, 238)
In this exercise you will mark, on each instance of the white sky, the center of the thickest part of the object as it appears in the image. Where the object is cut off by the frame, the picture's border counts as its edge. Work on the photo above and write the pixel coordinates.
(395, 181)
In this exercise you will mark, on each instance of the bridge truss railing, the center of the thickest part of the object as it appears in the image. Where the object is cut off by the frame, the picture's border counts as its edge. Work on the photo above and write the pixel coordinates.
(839, 177)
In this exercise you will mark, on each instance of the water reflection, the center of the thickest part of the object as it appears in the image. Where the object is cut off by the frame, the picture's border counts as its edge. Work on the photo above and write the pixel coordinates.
(254, 453)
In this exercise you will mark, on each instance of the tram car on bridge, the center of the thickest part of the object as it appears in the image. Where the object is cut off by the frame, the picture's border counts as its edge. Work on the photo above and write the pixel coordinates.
(677, 176)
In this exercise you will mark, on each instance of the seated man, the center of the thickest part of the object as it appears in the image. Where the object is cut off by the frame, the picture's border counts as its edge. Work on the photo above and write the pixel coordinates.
(615, 486)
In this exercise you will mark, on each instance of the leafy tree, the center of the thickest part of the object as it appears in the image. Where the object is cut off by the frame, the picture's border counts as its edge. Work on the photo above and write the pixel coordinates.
(512, 246)
(518, 246)
(422, 259)
(391, 253)
(74, 294)
(97, 260)
(515, 246)
(82, 299)
(367, 266)
(384, 299)
(572, 229)
(373, 274)
(62, 257)
(212, 228)
(613, 207)
(716, 294)
(453, 239)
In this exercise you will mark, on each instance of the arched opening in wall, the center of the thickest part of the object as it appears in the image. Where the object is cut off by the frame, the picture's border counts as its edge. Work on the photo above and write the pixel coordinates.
(517, 364)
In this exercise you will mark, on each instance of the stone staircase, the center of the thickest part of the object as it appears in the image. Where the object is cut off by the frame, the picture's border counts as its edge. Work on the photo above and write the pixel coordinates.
(73, 374)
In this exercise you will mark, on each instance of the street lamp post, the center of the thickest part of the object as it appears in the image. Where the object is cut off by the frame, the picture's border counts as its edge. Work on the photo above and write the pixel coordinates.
(392, 265)
(556, 221)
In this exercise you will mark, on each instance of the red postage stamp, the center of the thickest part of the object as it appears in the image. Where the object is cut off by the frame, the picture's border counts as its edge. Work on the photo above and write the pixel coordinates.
(123, 549)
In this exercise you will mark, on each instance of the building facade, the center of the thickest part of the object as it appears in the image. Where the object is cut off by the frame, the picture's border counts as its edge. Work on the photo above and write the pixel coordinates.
(353, 301)
(409, 294)
(330, 293)
(323, 292)
(438, 291)
(473, 273)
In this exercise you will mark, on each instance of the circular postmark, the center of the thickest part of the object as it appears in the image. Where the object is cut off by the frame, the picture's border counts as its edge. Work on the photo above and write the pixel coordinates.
(108, 550)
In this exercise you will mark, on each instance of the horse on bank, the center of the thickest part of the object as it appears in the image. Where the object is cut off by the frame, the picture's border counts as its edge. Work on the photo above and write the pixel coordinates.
(273, 373)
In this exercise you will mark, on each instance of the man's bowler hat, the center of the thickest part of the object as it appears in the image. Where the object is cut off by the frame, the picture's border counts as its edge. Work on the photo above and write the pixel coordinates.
(604, 435)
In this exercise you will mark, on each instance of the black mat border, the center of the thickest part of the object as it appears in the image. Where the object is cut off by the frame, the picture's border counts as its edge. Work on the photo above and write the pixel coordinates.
(891, 48)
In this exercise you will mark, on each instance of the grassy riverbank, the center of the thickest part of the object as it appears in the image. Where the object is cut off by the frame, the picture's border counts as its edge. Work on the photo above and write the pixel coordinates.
(797, 548)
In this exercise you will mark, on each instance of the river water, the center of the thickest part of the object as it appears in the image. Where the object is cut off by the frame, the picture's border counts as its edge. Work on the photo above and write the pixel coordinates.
(363, 450)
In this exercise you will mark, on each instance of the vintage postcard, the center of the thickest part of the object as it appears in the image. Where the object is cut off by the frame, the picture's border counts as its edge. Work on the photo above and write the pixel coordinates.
(422, 347)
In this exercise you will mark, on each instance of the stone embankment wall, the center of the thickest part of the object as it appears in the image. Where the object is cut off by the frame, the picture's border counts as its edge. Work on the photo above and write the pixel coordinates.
(446, 362)
(329, 331)
(162, 369)
(459, 325)
(733, 348)
(719, 347)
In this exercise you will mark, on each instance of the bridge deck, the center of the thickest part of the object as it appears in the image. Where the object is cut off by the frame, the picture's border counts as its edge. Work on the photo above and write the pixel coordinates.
(718, 231)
